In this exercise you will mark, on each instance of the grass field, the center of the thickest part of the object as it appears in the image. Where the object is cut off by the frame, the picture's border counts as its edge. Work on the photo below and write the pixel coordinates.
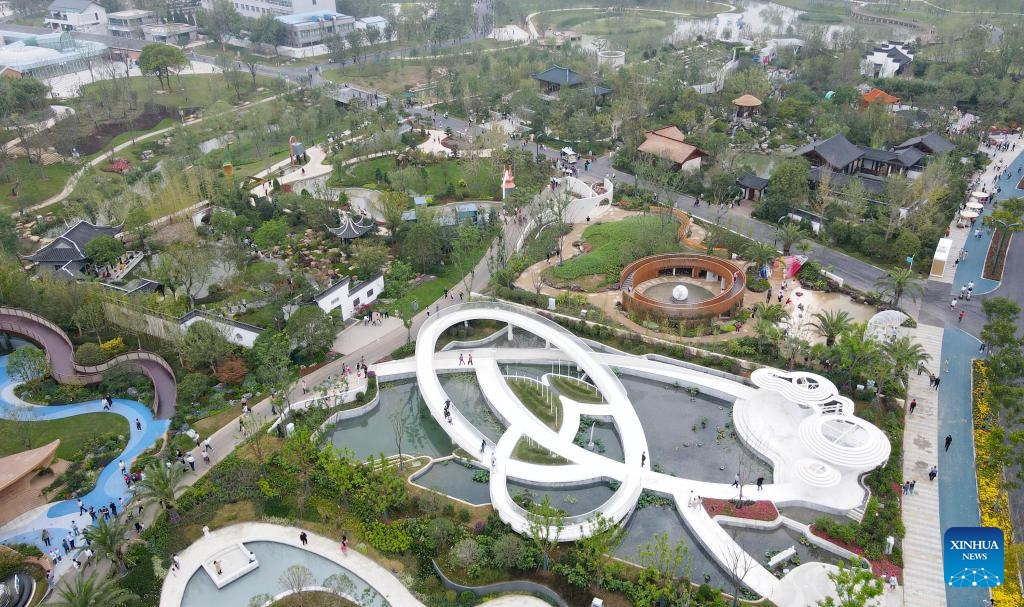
(450, 278)
(441, 178)
(617, 243)
(207, 91)
(72, 432)
(575, 390)
(524, 451)
(393, 77)
(36, 183)
(532, 395)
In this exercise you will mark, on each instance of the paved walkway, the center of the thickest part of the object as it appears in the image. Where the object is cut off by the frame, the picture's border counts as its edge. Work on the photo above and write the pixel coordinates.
(206, 548)
(311, 170)
(922, 544)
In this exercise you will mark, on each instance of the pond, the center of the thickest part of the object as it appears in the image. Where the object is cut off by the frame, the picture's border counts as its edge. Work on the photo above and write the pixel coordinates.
(711, 453)
(373, 433)
(455, 479)
(274, 559)
(644, 527)
(759, 543)
(464, 391)
(574, 499)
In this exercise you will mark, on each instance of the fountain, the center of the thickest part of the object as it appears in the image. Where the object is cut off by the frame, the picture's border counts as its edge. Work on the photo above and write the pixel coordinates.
(680, 293)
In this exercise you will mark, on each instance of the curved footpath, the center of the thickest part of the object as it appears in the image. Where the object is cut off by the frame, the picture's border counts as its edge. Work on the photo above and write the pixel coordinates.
(57, 517)
(60, 353)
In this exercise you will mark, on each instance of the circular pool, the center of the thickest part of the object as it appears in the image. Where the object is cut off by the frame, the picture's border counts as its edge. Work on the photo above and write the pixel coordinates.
(682, 286)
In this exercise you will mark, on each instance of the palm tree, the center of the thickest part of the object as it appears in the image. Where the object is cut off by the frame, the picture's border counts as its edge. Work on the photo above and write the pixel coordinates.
(900, 282)
(760, 254)
(92, 591)
(770, 312)
(857, 354)
(903, 354)
(830, 324)
(108, 538)
(790, 235)
(158, 485)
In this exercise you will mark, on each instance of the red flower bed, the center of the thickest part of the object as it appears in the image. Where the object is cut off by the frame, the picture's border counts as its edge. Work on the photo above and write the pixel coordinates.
(880, 567)
(761, 510)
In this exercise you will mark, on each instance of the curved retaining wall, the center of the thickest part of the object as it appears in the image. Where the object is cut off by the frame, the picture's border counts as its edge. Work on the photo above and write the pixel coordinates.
(521, 586)
(649, 268)
(60, 353)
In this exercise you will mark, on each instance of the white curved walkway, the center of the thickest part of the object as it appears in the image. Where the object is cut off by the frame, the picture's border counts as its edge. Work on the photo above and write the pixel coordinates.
(786, 419)
(206, 547)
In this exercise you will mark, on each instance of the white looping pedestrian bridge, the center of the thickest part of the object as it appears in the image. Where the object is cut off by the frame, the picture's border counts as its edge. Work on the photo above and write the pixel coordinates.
(796, 421)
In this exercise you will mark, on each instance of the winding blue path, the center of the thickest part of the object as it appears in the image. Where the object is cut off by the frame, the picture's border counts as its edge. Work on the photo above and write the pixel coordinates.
(58, 516)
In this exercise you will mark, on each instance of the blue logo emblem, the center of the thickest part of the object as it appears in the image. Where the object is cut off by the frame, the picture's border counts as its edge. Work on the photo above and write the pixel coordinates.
(973, 557)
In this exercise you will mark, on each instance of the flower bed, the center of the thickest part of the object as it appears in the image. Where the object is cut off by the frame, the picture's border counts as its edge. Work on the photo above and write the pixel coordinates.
(881, 567)
(995, 507)
(761, 510)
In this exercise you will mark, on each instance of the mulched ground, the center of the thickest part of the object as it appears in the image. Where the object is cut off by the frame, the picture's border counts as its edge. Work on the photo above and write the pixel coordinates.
(993, 271)
(99, 137)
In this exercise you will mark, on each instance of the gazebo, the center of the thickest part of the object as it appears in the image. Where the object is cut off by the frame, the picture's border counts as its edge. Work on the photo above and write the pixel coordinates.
(746, 105)
(350, 229)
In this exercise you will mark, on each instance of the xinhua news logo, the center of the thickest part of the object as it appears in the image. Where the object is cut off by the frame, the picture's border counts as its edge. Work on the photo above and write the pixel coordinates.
(973, 557)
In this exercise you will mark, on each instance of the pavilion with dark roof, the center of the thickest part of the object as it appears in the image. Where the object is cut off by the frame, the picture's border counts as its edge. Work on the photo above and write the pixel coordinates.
(929, 143)
(836, 152)
(350, 228)
(753, 186)
(66, 253)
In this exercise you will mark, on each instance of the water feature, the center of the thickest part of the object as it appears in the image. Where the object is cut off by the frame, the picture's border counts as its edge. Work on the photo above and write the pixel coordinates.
(759, 543)
(573, 499)
(606, 438)
(709, 453)
(274, 559)
(464, 391)
(455, 479)
(665, 292)
(373, 434)
(647, 523)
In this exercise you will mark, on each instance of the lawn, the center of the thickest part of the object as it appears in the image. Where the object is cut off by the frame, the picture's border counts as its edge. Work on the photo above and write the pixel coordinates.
(204, 91)
(36, 183)
(449, 278)
(576, 390)
(392, 77)
(533, 396)
(447, 179)
(532, 453)
(72, 432)
(617, 243)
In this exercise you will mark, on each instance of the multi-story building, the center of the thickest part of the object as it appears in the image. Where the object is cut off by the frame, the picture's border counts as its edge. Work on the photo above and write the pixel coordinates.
(256, 8)
(76, 15)
(178, 34)
(128, 24)
(313, 28)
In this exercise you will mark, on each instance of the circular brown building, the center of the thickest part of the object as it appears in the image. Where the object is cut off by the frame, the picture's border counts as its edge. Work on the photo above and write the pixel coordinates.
(682, 286)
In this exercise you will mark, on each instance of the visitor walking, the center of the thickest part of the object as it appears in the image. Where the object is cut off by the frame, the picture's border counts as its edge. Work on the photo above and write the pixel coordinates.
(913, 405)
(643, 459)
(960, 317)
(81, 507)
(303, 538)
(736, 480)
(949, 441)
(344, 544)
(46, 537)
(760, 483)
(483, 445)
(138, 424)
(933, 473)
(191, 462)
(937, 380)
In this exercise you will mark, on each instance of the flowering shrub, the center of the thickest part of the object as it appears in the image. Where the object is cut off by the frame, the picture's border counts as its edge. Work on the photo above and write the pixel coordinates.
(761, 510)
(114, 346)
(882, 566)
(995, 508)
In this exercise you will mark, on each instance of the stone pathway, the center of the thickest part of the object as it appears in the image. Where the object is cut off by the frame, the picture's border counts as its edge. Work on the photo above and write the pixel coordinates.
(922, 544)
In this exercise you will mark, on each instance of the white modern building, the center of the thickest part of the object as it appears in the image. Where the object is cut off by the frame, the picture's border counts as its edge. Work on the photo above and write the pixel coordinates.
(178, 34)
(349, 297)
(380, 23)
(236, 332)
(313, 28)
(886, 61)
(76, 15)
(257, 8)
(128, 24)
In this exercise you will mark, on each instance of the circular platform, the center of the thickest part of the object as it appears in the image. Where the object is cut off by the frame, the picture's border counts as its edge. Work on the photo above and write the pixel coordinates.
(713, 286)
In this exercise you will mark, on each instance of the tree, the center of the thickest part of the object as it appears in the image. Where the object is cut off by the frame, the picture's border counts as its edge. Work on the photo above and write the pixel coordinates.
(761, 254)
(464, 255)
(665, 571)
(161, 60)
(136, 223)
(830, 324)
(267, 31)
(270, 357)
(391, 204)
(272, 233)
(220, 21)
(854, 587)
(189, 265)
(27, 365)
(108, 539)
(370, 259)
(1003, 346)
(588, 561)
(790, 235)
(96, 590)
(104, 250)
(857, 354)
(355, 40)
(8, 235)
(787, 188)
(203, 345)
(900, 282)
(545, 525)
(296, 579)
(91, 316)
(422, 247)
(158, 485)
(311, 331)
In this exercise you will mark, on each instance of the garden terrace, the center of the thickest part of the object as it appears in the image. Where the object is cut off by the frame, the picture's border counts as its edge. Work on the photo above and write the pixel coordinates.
(635, 300)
